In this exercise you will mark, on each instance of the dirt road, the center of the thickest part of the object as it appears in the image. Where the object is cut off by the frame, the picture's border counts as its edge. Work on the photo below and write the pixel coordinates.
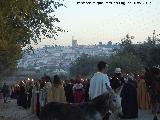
(10, 111)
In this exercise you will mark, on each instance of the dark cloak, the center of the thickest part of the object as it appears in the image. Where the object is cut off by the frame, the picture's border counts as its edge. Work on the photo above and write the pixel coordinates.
(129, 100)
(69, 92)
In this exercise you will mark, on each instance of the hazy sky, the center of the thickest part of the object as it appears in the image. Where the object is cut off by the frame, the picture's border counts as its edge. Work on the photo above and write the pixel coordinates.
(91, 23)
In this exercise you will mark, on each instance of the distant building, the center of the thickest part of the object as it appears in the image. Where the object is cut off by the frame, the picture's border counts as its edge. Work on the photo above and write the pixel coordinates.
(74, 43)
(51, 59)
(109, 43)
(100, 44)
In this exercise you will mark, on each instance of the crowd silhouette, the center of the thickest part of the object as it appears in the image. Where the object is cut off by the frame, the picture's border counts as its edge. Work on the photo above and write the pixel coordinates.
(34, 94)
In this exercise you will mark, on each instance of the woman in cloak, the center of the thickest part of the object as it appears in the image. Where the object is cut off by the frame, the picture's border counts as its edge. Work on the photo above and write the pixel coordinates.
(129, 99)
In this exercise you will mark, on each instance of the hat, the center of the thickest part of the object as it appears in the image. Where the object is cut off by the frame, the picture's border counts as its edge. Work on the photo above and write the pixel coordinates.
(117, 70)
(131, 76)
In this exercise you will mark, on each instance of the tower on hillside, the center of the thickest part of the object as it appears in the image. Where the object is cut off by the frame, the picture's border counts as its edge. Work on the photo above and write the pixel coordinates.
(100, 43)
(74, 42)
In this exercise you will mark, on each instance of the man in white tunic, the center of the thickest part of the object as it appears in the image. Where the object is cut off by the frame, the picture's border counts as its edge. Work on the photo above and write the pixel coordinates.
(100, 81)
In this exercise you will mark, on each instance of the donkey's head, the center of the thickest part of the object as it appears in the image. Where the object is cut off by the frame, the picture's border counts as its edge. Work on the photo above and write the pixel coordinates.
(108, 101)
(115, 100)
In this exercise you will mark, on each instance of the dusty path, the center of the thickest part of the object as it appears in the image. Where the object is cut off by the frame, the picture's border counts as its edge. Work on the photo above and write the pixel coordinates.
(10, 111)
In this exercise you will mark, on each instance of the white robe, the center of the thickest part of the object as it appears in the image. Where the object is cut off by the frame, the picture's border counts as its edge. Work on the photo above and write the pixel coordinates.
(98, 85)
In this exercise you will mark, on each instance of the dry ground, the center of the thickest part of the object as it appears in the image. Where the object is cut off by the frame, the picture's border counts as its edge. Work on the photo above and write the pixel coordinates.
(10, 111)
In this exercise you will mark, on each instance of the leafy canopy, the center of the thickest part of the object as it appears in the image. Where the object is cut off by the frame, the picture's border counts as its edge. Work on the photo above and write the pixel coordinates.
(24, 21)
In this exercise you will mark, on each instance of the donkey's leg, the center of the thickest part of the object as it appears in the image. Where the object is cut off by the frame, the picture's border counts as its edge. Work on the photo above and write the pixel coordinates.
(106, 117)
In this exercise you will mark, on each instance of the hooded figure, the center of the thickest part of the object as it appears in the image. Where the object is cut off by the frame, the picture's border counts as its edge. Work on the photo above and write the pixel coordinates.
(56, 93)
(129, 99)
(117, 80)
(68, 87)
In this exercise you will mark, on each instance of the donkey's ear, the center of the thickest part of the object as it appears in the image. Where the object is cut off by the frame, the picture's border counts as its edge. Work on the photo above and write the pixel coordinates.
(118, 90)
(110, 89)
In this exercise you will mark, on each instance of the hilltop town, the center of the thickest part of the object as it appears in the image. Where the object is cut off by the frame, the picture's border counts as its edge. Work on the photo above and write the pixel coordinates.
(53, 59)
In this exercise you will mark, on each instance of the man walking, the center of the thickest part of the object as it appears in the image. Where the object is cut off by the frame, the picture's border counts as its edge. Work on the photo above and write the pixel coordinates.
(100, 81)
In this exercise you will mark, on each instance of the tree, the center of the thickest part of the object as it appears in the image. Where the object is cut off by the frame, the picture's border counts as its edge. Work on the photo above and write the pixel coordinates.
(128, 62)
(149, 52)
(126, 45)
(24, 21)
(28, 20)
(155, 56)
(86, 65)
(126, 57)
(126, 41)
(9, 54)
(130, 57)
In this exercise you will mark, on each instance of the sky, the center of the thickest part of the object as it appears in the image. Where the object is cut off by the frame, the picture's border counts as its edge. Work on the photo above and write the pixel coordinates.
(93, 23)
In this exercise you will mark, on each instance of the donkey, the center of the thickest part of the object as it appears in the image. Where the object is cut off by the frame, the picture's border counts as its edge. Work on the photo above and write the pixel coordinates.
(95, 109)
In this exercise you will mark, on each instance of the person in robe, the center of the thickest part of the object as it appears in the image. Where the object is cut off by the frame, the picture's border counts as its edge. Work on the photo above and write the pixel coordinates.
(99, 83)
(56, 93)
(78, 90)
(35, 103)
(86, 89)
(117, 79)
(29, 88)
(68, 91)
(5, 90)
(45, 85)
(129, 99)
(144, 100)
(22, 96)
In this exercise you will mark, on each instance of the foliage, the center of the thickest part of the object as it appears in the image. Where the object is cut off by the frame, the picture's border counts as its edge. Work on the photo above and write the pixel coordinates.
(85, 65)
(24, 21)
(126, 45)
(126, 58)
(28, 20)
(149, 52)
(127, 62)
(130, 57)
(9, 54)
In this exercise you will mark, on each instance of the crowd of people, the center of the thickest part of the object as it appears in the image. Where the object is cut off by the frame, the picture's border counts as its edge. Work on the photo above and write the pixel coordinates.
(34, 94)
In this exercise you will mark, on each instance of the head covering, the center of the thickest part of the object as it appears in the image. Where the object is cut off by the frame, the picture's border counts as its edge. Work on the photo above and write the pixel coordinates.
(117, 70)
(78, 79)
(56, 80)
(131, 76)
